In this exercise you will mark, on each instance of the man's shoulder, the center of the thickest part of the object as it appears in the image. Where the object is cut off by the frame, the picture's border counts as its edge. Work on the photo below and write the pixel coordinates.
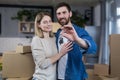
(78, 28)
(58, 32)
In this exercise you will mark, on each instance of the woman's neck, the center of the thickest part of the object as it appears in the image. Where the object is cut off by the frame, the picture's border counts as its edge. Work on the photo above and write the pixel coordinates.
(46, 34)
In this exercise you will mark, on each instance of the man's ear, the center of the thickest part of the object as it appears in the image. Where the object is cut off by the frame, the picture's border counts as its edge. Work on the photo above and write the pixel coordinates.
(70, 13)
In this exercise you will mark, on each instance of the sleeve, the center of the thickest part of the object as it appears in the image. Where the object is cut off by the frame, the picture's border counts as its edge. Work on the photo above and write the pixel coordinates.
(92, 47)
(38, 53)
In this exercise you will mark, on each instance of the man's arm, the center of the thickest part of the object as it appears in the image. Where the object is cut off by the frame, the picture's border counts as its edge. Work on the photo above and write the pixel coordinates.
(85, 41)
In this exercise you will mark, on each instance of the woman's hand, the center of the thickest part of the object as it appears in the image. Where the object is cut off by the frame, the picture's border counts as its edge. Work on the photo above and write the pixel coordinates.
(65, 47)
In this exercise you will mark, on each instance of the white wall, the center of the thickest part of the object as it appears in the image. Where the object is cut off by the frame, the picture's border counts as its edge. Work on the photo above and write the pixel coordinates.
(9, 44)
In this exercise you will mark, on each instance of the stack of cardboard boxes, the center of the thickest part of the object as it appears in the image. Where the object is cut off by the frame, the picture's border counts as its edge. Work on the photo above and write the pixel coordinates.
(111, 71)
(93, 76)
(19, 64)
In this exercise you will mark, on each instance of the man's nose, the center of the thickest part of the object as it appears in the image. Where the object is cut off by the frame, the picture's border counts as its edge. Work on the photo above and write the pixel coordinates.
(61, 15)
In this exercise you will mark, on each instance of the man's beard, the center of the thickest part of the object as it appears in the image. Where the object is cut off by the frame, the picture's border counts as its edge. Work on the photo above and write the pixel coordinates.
(63, 22)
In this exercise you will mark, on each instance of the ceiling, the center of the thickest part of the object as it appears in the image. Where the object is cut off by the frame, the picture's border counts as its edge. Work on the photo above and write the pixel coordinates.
(50, 2)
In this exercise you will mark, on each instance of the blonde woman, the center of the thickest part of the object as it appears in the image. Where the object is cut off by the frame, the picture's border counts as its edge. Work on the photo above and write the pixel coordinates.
(44, 48)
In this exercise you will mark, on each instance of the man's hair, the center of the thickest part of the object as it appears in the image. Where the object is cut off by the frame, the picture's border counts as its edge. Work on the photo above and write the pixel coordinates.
(63, 4)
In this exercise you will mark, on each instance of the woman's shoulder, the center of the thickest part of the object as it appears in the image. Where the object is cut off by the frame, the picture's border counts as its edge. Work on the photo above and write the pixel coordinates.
(36, 38)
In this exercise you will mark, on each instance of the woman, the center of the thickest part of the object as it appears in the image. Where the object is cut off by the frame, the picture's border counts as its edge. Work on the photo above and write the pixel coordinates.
(44, 49)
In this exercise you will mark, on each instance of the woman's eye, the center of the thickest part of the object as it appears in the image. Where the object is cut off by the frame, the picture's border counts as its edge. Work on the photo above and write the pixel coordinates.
(45, 22)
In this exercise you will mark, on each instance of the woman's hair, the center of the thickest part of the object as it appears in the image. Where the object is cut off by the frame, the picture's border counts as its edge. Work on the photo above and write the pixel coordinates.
(38, 30)
(63, 4)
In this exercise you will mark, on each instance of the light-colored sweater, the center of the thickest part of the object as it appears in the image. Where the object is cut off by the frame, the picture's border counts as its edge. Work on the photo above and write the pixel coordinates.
(42, 49)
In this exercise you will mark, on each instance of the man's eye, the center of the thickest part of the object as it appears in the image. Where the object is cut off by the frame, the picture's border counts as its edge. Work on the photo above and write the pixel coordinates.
(64, 12)
(58, 13)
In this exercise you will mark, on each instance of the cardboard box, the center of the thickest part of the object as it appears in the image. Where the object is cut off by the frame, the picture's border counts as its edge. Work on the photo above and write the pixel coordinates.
(114, 43)
(23, 49)
(56, 26)
(114, 66)
(101, 69)
(27, 78)
(108, 78)
(104, 70)
(91, 76)
(17, 65)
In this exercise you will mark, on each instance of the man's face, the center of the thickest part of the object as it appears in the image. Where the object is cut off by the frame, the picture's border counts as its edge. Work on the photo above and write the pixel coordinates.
(63, 15)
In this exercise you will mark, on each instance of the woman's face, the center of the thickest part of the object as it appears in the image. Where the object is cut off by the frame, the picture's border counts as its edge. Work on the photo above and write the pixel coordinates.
(46, 24)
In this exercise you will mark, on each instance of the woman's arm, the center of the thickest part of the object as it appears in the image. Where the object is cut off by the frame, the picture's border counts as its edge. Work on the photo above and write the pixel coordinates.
(65, 48)
(40, 57)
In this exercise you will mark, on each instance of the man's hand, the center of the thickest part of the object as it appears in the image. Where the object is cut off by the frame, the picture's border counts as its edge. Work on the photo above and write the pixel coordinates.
(69, 33)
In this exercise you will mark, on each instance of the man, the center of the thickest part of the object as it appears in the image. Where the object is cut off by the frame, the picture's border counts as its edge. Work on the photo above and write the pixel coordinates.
(71, 66)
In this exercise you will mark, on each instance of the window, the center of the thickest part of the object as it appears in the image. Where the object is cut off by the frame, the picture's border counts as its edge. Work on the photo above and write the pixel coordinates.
(118, 22)
(118, 17)
(118, 11)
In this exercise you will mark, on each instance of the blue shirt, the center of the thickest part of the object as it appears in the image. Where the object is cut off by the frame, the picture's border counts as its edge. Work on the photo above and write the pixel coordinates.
(75, 69)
